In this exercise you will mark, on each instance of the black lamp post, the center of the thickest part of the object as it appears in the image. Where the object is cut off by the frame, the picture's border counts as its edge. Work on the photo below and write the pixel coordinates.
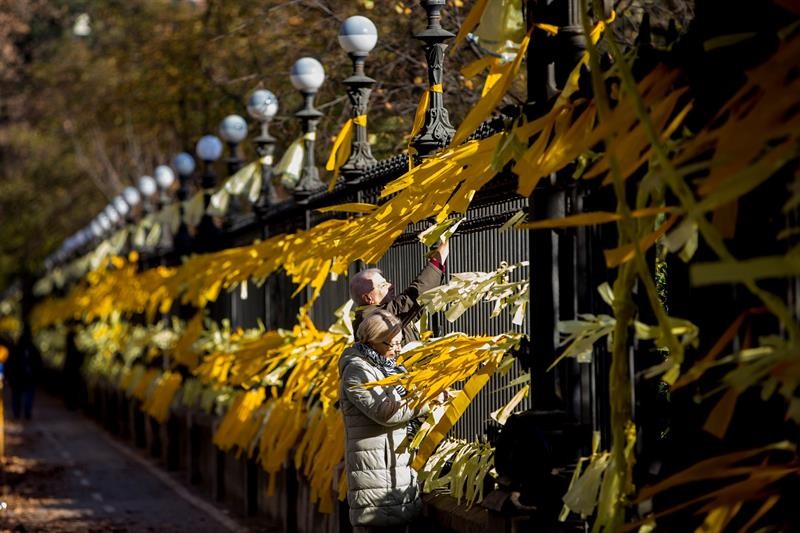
(233, 130)
(97, 230)
(358, 36)
(437, 132)
(117, 212)
(148, 187)
(105, 223)
(307, 76)
(184, 165)
(263, 106)
(209, 149)
(164, 180)
(132, 197)
(165, 177)
(122, 209)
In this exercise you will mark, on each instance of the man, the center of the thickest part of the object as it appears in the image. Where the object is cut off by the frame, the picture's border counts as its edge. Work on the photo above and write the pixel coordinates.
(370, 290)
(22, 370)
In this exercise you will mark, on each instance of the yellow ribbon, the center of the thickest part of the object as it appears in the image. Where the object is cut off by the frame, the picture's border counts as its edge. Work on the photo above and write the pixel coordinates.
(419, 119)
(290, 165)
(472, 20)
(547, 28)
(340, 151)
(572, 81)
(600, 28)
(496, 86)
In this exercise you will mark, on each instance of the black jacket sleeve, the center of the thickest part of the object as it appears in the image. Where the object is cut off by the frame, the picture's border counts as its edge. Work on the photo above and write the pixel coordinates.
(405, 305)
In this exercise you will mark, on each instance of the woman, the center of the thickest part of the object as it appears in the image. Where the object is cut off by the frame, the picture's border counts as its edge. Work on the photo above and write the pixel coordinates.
(22, 371)
(382, 487)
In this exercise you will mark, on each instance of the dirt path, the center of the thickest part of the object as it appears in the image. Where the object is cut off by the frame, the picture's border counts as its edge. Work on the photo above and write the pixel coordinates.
(63, 473)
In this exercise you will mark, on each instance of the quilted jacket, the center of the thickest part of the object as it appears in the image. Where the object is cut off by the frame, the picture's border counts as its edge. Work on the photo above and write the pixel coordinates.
(381, 485)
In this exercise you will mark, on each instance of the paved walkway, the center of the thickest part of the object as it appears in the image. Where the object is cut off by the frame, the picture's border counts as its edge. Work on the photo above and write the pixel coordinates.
(62, 472)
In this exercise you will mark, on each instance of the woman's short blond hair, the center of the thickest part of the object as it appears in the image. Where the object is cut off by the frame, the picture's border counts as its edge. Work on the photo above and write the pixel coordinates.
(378, 326)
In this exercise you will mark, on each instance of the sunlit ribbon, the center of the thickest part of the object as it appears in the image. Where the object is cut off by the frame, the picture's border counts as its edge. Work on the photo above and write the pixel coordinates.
(248, 175)
(340, 151)
(472, 20)
(499, 87)
(572, 81)
(419, 119)
(291, 164)
(194, 207)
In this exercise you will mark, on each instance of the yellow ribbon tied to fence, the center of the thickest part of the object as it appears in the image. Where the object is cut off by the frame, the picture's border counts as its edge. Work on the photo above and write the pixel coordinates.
(340, 151)
(498, 85)
(194, 208)
(291, 164)
(419, 119)
(470, 22)
(594, 35)
(246, 178)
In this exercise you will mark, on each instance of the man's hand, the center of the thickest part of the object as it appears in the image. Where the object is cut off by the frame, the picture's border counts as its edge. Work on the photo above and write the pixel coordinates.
(443, 397)
(443, 250)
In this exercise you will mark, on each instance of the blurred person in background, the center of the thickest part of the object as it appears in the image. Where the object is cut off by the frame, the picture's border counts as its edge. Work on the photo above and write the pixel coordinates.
(22, 372)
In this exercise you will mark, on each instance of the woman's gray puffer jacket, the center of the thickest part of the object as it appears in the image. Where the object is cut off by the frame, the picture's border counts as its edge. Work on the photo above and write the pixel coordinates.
(381, 485)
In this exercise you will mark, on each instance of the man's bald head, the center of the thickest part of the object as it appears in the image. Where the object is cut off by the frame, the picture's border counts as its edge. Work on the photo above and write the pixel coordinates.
(369, 287)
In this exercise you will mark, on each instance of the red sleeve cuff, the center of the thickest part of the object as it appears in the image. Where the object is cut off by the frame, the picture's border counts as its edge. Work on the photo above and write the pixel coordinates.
(438, 264)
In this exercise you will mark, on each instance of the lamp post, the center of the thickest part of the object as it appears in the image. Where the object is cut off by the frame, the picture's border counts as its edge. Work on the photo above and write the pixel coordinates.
(437, 132)
(164, 180)
(184, 165)
(148, 188)
(233, 130)
(96, 229)
(132, 198)
(68, 247)
(307, 76)
(104, 222)
(112, 215)
(126, 217)
(121, 207)
(209, 149)
(82, 238)
(263, 106)
(358, 36)
(165, 177)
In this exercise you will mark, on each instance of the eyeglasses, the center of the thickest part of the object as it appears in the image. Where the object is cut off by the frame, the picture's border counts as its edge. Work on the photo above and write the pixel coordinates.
(394, 345)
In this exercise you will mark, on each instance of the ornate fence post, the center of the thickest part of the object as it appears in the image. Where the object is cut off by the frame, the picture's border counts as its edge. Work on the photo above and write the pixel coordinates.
(233, 130)
(307, 77)
(358, 36)
(437, 132)
(262, 106)
(209, 149)
(184, 165)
